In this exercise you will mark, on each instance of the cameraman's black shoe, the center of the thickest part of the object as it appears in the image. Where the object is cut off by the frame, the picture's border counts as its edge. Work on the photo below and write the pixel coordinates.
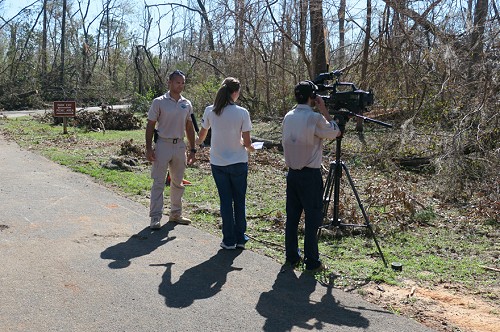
(319, 269)
(290, 265)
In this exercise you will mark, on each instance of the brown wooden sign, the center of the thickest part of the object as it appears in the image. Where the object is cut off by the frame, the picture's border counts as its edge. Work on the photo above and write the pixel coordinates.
(64, 108)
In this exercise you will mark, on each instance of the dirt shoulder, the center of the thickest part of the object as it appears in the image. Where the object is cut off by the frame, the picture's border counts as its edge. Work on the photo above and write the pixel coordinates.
(445, 307)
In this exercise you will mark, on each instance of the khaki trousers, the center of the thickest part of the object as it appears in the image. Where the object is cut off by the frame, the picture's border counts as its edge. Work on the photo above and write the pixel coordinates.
(169, 156)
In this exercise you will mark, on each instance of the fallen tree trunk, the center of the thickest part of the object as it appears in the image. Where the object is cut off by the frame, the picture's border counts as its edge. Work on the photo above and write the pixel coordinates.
(27, 94)
(414, 163)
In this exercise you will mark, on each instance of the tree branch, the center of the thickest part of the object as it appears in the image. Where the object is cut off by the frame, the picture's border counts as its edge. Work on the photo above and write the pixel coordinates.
(175, 4)
(208, 63)
(399, 7)
(285, 34)
(19, 13)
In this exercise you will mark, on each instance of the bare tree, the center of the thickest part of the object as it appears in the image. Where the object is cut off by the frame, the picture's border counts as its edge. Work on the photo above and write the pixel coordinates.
(341, 51)
(366, 43)
(366, 53)
(206, 24)
(318, 52)
(44, 42)
(477, 36)
(63, 45)
(300, 42)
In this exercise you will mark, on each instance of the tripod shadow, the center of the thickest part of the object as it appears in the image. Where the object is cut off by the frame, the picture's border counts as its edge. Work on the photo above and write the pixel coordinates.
(288, 305)
(140, 244)
(199, 282)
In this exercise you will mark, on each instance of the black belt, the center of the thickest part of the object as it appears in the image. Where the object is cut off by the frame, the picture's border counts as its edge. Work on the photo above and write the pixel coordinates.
(303, 169)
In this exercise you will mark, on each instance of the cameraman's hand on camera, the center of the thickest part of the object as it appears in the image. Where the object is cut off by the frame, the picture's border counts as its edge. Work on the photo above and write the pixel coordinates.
(321, 107)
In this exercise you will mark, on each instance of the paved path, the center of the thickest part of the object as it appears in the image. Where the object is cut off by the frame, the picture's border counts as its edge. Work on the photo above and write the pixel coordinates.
(74, 256)
(16, 114)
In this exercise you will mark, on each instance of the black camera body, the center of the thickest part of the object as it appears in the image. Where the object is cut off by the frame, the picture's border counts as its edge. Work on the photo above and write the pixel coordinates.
(343, 95)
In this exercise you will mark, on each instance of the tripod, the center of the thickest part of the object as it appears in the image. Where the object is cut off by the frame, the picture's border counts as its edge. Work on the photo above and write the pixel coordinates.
(332, 185)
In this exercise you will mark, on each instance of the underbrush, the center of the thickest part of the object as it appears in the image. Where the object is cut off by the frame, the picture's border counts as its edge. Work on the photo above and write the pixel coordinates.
(435, 240)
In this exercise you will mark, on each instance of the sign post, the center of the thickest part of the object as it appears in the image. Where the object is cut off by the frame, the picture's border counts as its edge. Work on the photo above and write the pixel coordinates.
(65, 109)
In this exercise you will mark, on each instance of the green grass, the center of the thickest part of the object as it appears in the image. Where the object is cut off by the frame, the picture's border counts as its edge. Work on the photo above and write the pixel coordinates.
(431, 247)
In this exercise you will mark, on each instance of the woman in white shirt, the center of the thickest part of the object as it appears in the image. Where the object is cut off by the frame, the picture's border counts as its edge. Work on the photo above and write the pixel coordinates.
(229, 146)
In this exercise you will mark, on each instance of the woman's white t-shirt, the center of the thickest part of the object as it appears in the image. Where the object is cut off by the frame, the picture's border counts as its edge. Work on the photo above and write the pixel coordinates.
(226, 144)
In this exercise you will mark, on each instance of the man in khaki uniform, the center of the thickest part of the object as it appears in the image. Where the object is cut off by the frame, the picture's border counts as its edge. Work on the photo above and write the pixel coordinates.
(303, 134)
(171, 115)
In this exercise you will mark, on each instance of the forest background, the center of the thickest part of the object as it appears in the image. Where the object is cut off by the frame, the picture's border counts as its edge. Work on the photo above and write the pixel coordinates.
(433, 66)
(434, 63)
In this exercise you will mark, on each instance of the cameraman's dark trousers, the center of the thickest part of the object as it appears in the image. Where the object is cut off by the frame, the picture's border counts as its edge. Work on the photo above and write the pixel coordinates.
(304, 192)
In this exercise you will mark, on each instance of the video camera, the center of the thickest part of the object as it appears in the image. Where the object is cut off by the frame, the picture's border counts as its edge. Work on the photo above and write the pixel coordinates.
(343, 95)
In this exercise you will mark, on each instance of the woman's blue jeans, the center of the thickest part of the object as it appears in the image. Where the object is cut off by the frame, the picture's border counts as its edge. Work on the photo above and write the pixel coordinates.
(231, 182)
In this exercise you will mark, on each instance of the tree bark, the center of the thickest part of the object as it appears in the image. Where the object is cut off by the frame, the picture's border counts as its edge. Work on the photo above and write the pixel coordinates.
(366, 53)
(477, 37)
(210, 35)
(341, 52)
(366, 44)
(138, 60)
(318, 53)
(44, 43)
(63, 46)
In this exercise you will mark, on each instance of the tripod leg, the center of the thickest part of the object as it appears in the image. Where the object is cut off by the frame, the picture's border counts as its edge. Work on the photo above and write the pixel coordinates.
(330, 186)
(365, 216)
(328, 189)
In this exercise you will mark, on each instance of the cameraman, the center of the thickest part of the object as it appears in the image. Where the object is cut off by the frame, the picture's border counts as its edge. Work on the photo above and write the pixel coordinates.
(303, 134)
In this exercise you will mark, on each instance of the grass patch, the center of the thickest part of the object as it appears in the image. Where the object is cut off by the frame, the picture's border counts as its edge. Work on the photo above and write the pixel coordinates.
(435, 245)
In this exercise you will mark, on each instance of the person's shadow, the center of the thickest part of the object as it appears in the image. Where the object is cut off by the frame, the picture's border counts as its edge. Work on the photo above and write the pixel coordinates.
(140, 244)
(288, 305)
(199, 282)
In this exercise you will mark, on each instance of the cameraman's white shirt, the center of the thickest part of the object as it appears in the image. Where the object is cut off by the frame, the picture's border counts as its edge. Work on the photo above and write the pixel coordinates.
(303, 134)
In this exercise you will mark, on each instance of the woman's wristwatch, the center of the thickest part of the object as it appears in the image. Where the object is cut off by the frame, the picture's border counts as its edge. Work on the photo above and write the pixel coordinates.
(193, 150)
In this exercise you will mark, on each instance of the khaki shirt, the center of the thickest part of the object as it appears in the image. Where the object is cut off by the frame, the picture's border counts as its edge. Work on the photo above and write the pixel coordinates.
(170, 115)
(303, 134)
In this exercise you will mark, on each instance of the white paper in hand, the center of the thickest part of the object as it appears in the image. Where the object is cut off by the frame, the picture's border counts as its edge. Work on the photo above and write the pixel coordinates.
(258, 145)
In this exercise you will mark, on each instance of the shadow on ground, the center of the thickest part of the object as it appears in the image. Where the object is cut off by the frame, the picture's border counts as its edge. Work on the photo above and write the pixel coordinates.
(140, 244)
(199, 282)
(288, 305)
